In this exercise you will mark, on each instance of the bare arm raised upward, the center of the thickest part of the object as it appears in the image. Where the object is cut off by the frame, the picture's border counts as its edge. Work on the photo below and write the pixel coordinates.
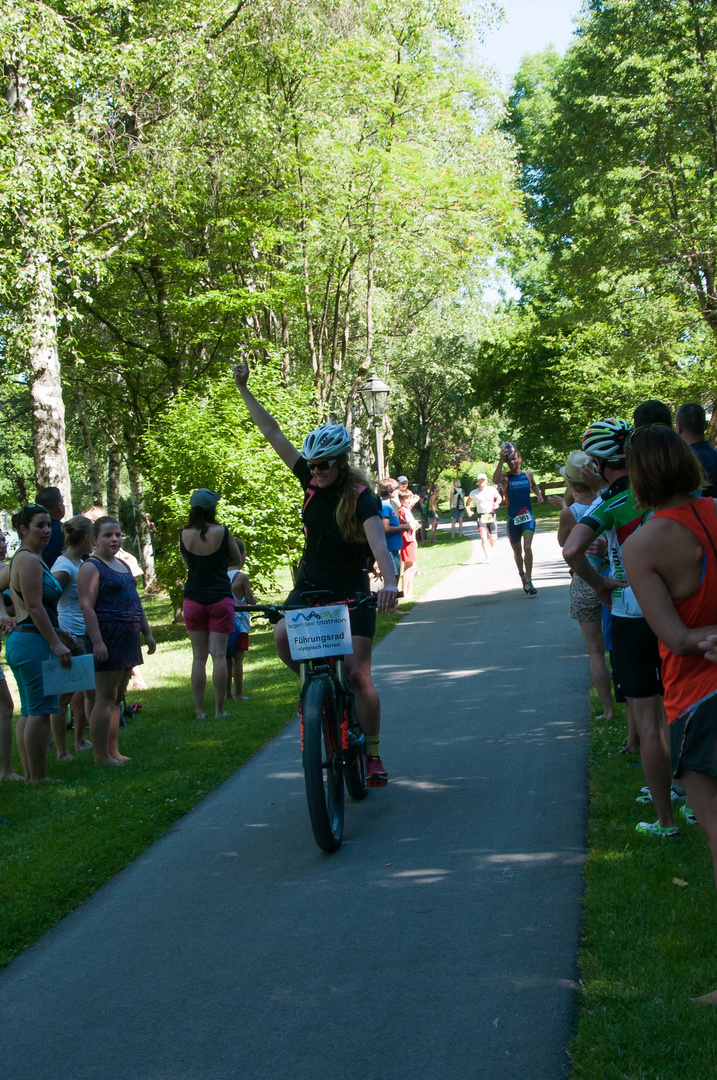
(498, 474)
(264, 421)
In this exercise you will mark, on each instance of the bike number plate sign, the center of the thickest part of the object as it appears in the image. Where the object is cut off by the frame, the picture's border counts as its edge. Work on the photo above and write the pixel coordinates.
(522, 519)
(319, 631)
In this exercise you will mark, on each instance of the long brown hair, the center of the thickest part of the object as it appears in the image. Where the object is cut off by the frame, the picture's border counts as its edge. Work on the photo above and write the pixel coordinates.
(200, 518)
(348, 483)
(661, 464)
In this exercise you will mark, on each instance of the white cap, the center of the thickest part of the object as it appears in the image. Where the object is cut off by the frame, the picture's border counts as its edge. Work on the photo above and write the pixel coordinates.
(402, 479)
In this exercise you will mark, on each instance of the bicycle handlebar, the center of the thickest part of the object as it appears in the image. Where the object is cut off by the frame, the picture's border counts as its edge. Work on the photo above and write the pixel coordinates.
(273, 612)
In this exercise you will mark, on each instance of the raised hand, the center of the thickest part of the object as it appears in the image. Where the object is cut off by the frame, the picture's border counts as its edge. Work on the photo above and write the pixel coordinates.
(240, 371)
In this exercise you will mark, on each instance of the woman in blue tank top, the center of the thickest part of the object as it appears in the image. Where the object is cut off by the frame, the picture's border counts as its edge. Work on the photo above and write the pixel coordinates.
(35, 594)
(517, 485)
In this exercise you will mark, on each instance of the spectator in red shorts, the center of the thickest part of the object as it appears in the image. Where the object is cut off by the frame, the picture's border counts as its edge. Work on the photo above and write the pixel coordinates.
(409, 547)
(208, 549)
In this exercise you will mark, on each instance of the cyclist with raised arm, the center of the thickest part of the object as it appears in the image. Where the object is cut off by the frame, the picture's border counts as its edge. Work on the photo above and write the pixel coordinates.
(516, 485)
(341, 516)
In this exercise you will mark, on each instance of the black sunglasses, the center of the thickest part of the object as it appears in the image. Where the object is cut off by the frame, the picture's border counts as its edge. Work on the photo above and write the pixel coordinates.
(327, 463)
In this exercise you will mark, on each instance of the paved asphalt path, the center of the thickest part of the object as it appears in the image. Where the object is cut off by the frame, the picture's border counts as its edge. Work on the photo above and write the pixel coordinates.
(439, 942)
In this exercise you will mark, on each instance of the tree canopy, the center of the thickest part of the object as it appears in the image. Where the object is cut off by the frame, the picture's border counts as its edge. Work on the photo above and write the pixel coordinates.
(324, 186)
(617, 145)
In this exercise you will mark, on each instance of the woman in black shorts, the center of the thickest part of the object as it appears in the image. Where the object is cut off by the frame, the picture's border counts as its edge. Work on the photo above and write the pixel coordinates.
(341, 516)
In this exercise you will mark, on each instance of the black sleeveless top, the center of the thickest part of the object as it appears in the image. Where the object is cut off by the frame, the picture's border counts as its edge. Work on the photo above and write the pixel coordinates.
(208, 581)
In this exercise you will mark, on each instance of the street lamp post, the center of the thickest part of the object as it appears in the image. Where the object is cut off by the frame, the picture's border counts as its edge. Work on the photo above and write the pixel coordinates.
(374, 395)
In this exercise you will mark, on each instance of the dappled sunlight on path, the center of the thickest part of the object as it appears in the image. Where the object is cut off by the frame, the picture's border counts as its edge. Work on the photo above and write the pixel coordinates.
(446, 926)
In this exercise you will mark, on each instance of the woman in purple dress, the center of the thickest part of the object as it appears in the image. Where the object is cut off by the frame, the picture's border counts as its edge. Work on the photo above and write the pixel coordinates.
(114, 618)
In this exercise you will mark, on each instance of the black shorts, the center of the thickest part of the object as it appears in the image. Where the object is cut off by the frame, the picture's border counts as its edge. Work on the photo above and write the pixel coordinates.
(619, 696)
(693, 739)
(635, 657)
(363, 619)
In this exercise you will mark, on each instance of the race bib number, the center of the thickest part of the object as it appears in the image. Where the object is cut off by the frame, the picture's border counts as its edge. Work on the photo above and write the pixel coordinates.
(486, 518)
(522, 519)
(319, 631)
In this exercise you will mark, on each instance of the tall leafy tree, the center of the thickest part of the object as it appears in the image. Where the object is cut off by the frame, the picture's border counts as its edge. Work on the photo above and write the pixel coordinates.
(616, 145)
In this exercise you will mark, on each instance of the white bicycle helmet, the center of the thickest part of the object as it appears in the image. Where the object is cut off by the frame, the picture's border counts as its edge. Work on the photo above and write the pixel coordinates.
(607, 439)
(327, 441)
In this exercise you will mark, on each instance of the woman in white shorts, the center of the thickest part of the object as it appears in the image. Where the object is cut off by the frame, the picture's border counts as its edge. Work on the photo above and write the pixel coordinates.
(78, 545)
(585, 607)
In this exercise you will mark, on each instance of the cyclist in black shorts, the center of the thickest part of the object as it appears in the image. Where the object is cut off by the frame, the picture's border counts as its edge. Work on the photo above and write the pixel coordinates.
(342, 521)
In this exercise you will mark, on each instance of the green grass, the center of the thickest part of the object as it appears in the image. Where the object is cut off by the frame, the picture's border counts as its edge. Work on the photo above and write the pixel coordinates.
(649, 941)
(62, 841)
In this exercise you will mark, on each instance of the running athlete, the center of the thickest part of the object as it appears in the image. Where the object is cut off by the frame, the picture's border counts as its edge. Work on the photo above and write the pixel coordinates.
(486, 500)
(516, 485)
(341, 516)
(635, 651)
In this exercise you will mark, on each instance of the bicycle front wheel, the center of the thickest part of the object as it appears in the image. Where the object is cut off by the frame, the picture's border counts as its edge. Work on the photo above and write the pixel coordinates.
(356, 761)
(321, 755)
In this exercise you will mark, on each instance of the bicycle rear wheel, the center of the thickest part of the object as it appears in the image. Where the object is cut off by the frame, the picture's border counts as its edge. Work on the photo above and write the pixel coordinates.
(323, 771)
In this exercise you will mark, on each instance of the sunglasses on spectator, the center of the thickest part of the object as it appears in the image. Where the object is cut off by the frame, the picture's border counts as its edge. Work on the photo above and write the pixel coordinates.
(321, 466)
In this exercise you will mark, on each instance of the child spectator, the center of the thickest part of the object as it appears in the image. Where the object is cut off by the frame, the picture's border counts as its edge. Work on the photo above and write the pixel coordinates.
(238, 641)
(409, 547)
(392, 526)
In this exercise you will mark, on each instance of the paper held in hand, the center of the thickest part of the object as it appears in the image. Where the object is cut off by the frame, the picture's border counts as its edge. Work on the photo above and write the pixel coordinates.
(59, 680)
(319, 631)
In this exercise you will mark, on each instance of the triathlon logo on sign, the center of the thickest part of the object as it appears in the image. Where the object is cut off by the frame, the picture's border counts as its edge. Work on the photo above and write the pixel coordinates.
(314, 632)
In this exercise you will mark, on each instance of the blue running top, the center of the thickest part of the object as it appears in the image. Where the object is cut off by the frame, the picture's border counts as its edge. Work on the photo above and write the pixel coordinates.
(518, 494)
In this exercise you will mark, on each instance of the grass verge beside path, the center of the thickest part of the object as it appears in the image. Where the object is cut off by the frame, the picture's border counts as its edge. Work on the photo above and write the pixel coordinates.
(60, 842)
(649, 934)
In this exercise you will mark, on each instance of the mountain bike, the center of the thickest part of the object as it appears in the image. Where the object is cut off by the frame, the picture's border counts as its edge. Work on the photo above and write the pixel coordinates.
(333, 750)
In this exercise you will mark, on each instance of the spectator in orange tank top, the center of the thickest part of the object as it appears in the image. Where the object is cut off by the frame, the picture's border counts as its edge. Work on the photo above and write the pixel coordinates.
(671, 563)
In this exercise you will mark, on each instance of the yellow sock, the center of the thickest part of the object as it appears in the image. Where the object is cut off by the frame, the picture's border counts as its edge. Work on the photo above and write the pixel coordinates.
(372, 745)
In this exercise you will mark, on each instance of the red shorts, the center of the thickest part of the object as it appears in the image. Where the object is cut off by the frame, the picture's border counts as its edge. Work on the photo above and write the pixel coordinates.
(216, 618)
(409, 552)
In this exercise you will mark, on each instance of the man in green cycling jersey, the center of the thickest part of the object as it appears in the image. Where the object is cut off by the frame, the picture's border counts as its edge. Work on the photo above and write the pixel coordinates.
(635, 652)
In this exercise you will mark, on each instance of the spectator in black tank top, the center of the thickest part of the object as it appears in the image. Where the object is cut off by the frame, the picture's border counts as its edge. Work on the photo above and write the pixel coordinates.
(208, 548)
(341, 519)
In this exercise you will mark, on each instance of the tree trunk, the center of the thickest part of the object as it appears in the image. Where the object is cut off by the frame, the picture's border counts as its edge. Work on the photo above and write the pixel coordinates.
(144, 535)
(424, 462)
(93, 470)
(48, 407)
(285, 369)
(113, 479)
